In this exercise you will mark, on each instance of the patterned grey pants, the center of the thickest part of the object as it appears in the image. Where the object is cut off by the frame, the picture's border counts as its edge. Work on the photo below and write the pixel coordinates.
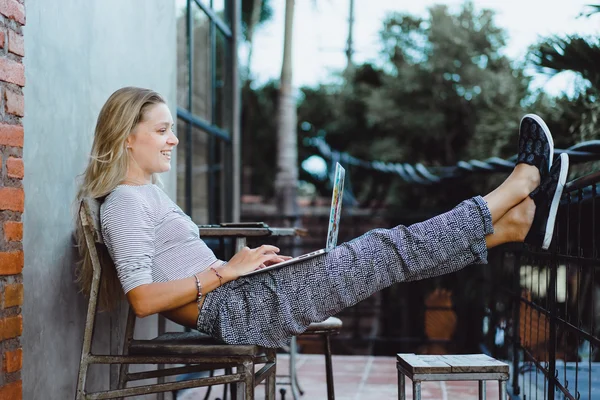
(269, 308)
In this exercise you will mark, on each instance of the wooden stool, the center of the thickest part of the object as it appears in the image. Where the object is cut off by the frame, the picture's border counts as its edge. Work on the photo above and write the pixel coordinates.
(467, 367)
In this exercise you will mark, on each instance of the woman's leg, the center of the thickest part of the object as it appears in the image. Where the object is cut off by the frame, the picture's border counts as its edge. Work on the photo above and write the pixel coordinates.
(514, 225)
(522, 181)
(268, 308)
(535, 154)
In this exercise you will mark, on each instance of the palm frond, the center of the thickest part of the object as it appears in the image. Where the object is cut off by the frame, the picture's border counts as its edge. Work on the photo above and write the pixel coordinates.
(574, 53)
(590, 10)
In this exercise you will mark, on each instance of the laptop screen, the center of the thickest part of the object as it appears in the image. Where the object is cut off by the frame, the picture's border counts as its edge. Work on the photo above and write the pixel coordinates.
(336, 206)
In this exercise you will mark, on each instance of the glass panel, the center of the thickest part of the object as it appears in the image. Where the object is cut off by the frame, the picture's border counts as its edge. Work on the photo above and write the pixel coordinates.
(222, 184)
(180, 7)
(181, 152)
(200, 177)
(223, 100)
(183, 75)
(202, 66)
(218, 7)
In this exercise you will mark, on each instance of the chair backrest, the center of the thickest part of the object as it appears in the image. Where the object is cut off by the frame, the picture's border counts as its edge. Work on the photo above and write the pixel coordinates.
(91, 209)
(89, 213)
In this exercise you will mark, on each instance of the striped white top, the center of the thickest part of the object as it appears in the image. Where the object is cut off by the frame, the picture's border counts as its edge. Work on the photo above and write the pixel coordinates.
(149, 238)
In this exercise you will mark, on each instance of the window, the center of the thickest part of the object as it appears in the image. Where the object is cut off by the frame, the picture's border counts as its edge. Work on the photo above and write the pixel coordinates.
(207, 97)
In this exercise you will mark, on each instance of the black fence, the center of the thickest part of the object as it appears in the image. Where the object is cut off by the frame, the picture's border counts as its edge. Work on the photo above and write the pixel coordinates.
(543, 308)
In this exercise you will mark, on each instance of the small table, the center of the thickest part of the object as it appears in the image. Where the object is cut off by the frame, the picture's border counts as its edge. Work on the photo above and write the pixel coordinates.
(466, 367)
(241, 234)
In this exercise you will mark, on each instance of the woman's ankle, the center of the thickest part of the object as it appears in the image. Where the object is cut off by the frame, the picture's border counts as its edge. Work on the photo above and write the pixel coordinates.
(526, 177)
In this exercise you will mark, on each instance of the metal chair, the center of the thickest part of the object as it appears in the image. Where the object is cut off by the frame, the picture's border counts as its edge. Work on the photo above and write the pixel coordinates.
(197, 352)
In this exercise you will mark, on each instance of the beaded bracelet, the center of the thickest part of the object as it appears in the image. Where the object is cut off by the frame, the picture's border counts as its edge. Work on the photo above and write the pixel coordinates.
(218, 276)
(199, 287)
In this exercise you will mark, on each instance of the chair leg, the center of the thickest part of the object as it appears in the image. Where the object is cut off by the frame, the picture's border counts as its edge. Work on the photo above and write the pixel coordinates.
(482, 390)
(209, 388)
(83, 367)
(270, 381)
(123, 371)
(249, 372)
(245, 389)
(230, 386)
(401, 386)
(416, 390)
(238, 389)
(502, 387)
(293, 376)
(160, 379)
(270, 385)
(328, 368)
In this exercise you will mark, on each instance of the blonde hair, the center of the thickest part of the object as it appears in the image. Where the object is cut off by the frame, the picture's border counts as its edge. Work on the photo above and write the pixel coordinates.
(106, 169)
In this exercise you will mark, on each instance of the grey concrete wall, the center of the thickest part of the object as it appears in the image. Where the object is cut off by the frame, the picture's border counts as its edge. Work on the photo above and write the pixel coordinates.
(77, 54)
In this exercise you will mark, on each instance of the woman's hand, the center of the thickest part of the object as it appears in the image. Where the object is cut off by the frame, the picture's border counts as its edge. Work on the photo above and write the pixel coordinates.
(248, 259)
(273, 262)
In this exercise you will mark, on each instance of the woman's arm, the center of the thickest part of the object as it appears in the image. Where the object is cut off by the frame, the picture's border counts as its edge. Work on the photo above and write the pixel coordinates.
(158, 297)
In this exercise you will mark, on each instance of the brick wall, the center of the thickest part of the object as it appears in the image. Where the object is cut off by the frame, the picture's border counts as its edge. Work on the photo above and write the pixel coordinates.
(12, 80)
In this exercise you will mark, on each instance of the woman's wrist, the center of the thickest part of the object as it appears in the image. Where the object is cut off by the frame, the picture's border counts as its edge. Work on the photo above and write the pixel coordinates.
(224, 273)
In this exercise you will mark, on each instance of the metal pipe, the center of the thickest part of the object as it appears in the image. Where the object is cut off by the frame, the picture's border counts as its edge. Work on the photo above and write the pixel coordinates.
(188, 130)
(236, 112)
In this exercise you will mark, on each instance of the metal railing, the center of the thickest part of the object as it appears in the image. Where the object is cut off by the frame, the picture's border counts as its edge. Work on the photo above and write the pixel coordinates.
(544, 312)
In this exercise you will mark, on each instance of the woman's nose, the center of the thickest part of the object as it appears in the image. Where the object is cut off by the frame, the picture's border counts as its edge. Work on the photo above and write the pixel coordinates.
(173, 139)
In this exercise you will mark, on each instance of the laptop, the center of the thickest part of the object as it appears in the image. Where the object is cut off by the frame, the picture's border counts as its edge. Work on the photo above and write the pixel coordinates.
(332, 231)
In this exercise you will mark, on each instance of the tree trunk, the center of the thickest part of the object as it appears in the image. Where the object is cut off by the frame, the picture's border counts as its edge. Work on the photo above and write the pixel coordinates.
(286, 180)
(254, 19)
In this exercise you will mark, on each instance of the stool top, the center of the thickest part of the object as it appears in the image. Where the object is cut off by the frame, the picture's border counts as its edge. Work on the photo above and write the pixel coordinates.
(330, 324)
(448, 364)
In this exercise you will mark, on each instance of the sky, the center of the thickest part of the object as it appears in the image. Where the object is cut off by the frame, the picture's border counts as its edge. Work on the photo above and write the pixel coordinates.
(321, 30)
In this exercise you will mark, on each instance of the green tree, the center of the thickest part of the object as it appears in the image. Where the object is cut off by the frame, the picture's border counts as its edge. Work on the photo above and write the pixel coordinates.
(450, 93)
(443, 92)
(260, 139)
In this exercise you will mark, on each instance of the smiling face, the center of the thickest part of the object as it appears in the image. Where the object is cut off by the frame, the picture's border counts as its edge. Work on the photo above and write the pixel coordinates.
(150, 144)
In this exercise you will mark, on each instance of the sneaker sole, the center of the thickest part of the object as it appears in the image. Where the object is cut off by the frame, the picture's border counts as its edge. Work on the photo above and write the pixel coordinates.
(562, 178)
(546, 131)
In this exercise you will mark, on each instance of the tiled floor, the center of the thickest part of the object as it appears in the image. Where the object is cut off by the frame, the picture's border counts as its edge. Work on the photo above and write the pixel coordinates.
(357, 378)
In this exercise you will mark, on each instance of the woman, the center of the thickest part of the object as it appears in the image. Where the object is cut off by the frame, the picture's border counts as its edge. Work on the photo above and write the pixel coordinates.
(164, 267)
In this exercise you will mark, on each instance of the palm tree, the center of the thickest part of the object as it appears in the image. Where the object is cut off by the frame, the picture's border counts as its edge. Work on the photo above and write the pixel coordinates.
(286, 180)
(572, 53)
(592, 9)
(255, 19)
(580, 55)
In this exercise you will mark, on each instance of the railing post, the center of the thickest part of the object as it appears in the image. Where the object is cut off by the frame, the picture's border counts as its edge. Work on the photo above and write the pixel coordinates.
(516, 321)
(552, 309)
